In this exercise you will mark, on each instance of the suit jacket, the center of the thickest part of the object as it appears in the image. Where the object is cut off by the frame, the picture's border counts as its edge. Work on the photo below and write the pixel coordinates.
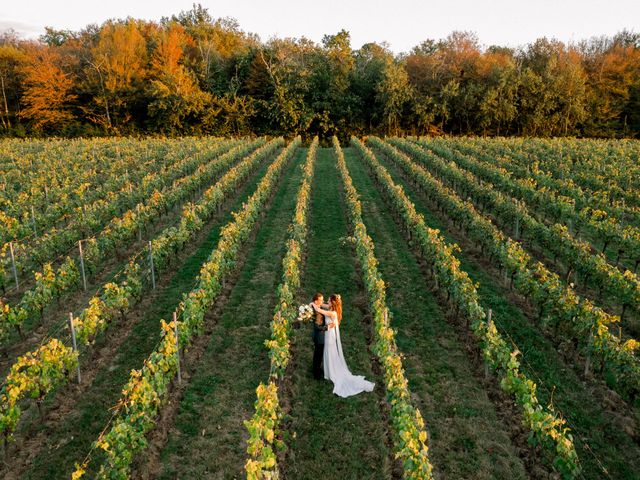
(319, 327)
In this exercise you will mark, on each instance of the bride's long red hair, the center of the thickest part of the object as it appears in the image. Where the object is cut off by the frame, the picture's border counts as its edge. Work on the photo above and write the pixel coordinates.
(336, 304)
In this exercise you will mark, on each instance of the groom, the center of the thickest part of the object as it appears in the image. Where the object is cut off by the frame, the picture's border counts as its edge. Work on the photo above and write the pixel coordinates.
(319, 328)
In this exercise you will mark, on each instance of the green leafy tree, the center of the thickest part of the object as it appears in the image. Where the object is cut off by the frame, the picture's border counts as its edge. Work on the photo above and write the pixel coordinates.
(498, 107)
(393, 93)
(369, 64)
(553, 96)
(329, 87)
(287, 74)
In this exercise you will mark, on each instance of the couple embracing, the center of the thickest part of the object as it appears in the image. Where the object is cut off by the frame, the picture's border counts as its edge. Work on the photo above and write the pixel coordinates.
(328, 359)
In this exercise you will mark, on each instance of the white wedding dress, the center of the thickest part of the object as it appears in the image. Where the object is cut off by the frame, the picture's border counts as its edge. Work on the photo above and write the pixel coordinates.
(345, 383)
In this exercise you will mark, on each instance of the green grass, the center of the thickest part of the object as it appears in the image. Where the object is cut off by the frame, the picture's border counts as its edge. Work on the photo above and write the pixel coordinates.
(600, 436)
(333, 437)
(209, 438)
(72, 436)
(467, 440)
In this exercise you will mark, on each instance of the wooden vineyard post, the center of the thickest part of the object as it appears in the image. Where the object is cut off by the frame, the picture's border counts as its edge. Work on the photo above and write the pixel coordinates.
(73, 339)
(13, 265)
(489, 324)
(587, 363)
(153, 274)
(84, 276)
(175, 324)
(33, 220)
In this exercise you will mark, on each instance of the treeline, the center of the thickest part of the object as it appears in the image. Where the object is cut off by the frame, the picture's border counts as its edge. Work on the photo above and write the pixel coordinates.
(193, 74)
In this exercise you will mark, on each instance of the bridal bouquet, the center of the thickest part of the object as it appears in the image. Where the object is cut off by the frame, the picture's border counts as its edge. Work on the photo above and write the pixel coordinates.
(305, 313)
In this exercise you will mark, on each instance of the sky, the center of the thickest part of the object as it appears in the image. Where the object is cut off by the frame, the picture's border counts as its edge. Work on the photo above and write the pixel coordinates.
(401, 23)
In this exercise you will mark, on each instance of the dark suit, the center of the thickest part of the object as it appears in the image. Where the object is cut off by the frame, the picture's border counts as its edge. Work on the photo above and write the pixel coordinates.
(317, 335)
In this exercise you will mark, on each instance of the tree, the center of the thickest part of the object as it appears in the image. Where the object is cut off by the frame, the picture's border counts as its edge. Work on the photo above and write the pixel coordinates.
(47, 92)
(173, 90)
(612, 66)
(329, 93)
(569, 83)
(57, 38)
(445, 78)
(193, 73)
(369, 64)
(460, 53)
(535, 104)
(392, 93)
(554, 93)
(498, 107)
(116, 72)
(217, 44)
(233, 115)
(11, 59)
(287, 73)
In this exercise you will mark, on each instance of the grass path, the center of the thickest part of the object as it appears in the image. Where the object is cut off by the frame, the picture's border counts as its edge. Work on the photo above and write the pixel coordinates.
(69, 439)
(467, 439)
(603, 438)
(208, 439)
(332, 437)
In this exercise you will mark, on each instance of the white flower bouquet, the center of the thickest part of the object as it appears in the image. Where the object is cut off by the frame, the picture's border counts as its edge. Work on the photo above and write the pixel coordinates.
(305, 313)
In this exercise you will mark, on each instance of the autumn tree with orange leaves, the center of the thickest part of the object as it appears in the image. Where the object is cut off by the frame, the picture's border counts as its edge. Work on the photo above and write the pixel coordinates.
(116, 71)
(47, 92)
(173, 90)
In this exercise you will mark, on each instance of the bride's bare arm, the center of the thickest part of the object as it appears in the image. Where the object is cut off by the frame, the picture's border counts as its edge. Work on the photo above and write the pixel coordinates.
(322, 311)
(328, 313)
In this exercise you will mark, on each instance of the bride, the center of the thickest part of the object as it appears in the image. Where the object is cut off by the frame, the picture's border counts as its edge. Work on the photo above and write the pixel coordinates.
(345, 383)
